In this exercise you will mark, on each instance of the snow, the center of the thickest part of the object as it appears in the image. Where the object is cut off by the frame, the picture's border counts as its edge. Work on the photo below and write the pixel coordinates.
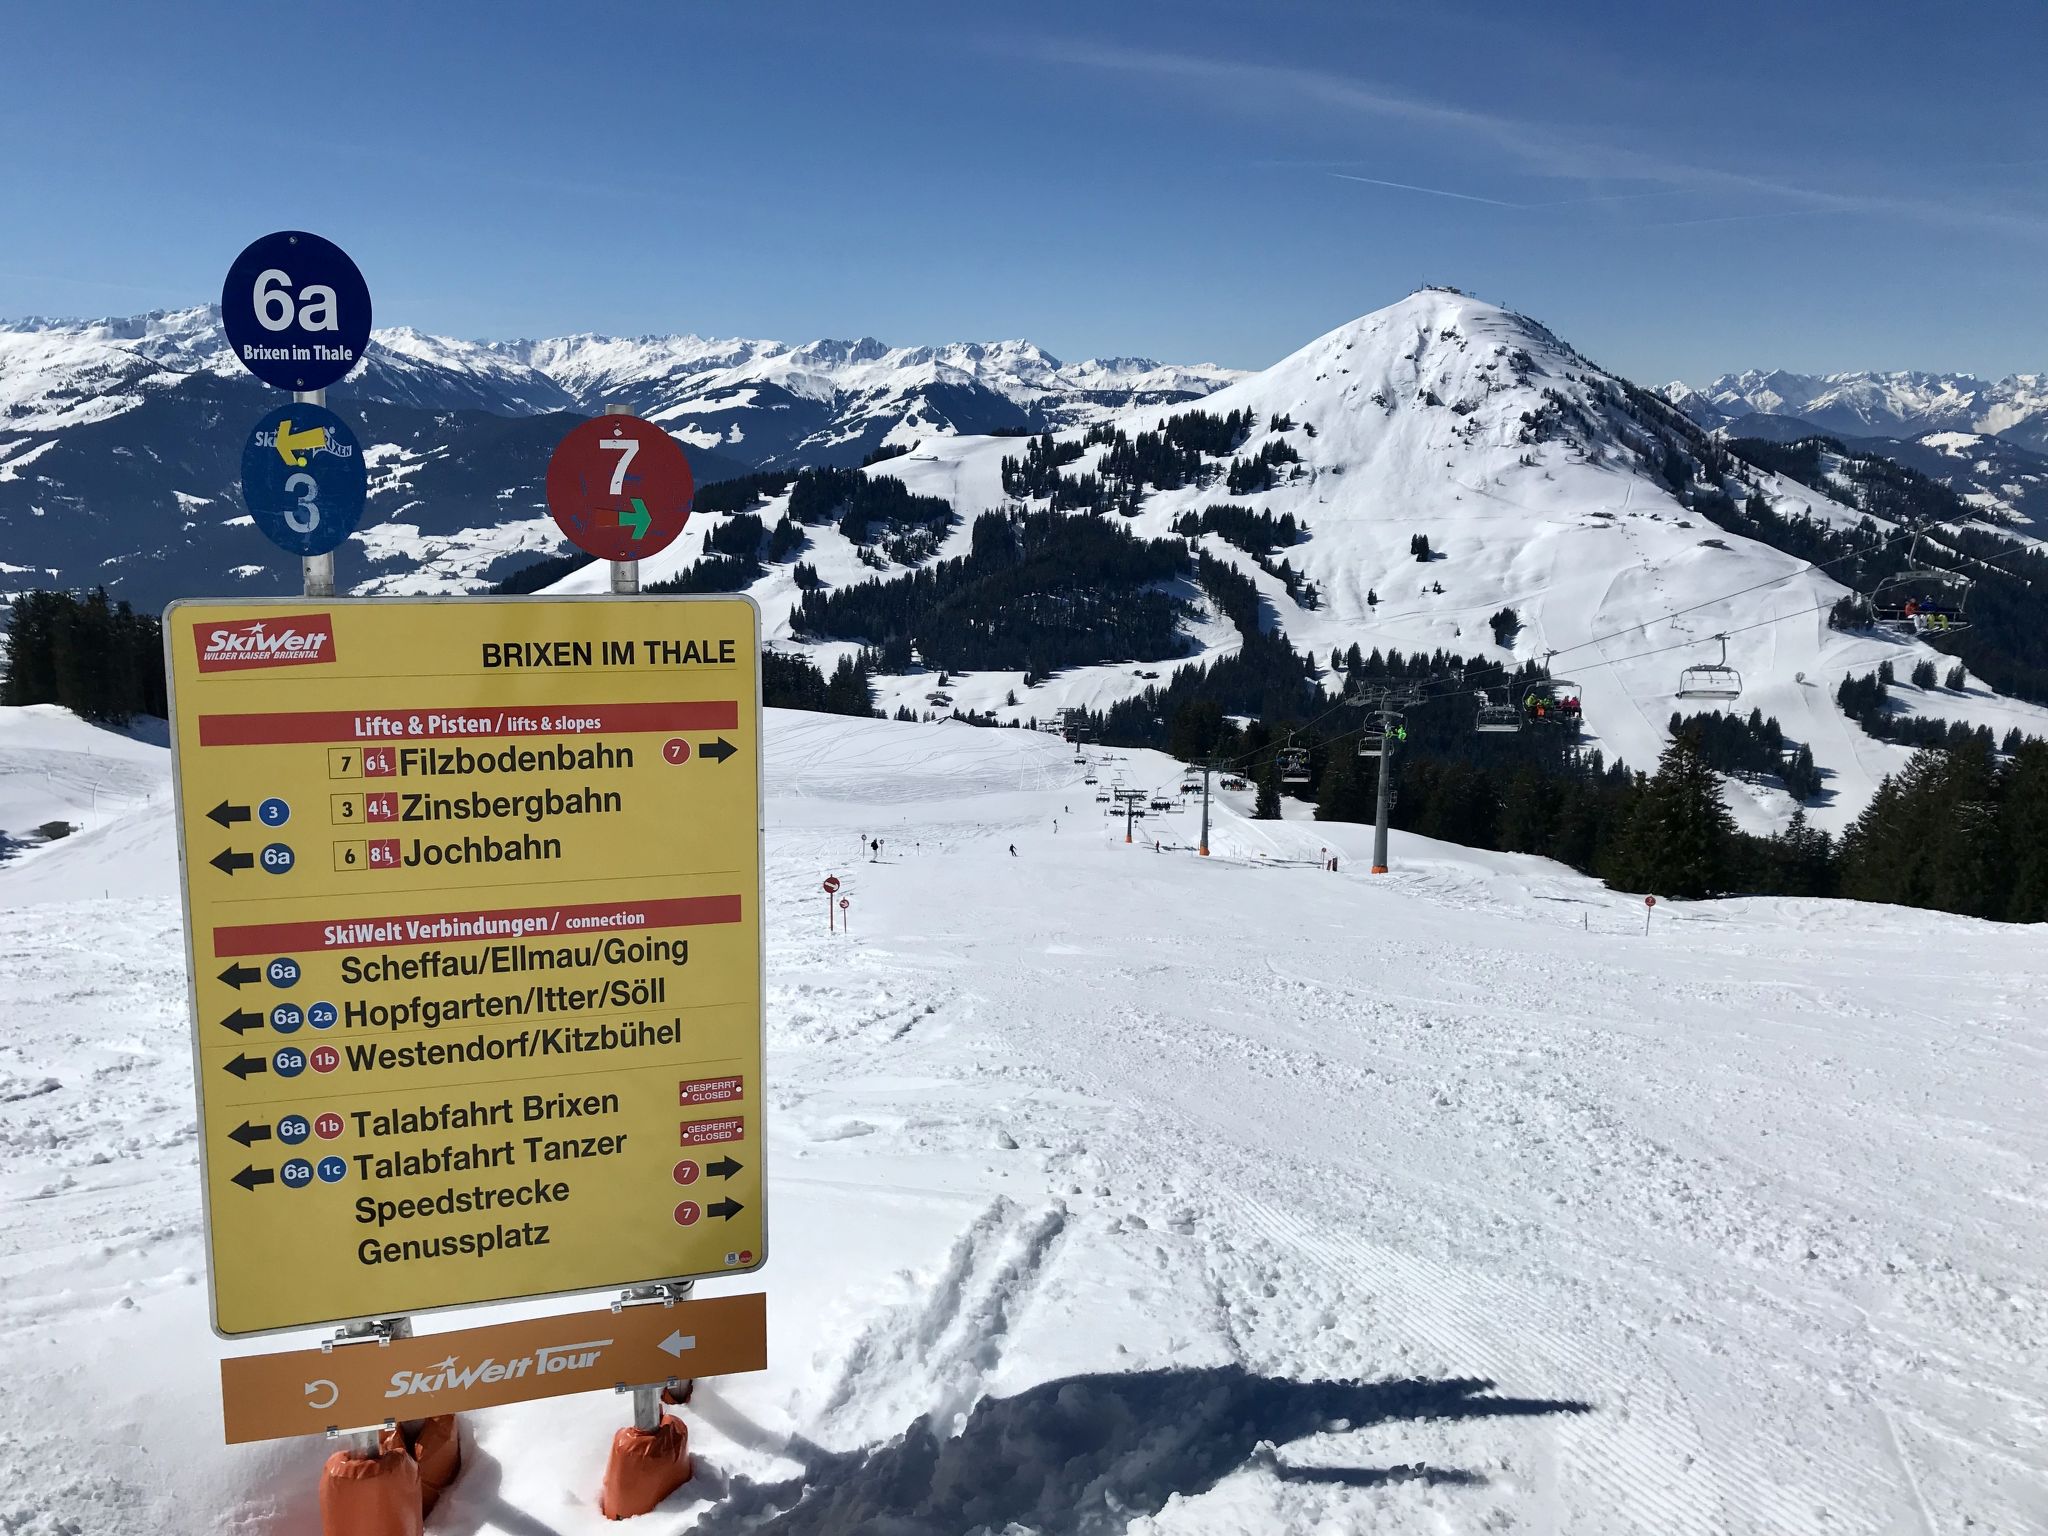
(1122, 1190)
(1600, 563)
(12, 468)
(1897, 404)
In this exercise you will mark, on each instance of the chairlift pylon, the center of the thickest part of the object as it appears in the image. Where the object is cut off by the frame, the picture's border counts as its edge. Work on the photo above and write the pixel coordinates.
(1711, 679)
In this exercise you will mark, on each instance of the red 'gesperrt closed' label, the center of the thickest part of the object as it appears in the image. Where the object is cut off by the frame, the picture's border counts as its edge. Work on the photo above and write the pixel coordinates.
(711, 1090)
(705, 1133)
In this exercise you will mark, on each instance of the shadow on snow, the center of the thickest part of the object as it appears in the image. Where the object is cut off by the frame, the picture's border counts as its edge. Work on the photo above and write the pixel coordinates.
(1084, 1454)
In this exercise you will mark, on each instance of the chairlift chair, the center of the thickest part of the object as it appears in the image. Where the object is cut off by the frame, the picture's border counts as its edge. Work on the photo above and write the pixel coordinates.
(1293, 764)
(1372, 744)
(1711, 679)
(1559, 697)
(1497, 717)
(1922, 602)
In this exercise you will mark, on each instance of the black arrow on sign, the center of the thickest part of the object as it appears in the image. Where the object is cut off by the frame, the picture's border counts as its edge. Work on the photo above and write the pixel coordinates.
(724, 1209)
(242, 1066)
(227, 815)
(718, 751)
(241, 1021)
(249, 1178)
(236, 975)
(228, 861)
(724, 1168)
(249, 1135)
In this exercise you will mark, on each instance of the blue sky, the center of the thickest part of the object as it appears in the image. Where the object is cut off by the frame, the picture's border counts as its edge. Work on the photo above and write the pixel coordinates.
(1678, 190)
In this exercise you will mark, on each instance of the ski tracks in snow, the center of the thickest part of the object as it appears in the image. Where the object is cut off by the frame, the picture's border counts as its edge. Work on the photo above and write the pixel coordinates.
(938, 1353)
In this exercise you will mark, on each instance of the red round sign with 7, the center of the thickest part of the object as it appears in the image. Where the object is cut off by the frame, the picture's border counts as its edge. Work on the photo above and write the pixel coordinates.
(619, 488)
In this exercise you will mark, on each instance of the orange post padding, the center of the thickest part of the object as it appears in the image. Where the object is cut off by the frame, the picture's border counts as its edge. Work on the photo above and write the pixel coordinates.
(646, 1466)
(371, 1495)
(437, 1448)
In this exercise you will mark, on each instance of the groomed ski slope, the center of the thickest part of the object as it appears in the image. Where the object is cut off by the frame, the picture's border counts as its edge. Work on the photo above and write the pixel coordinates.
(1121, 1190)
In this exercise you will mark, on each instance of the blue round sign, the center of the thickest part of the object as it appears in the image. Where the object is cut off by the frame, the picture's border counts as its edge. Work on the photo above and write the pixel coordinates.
(275, 859)
(274, 812)
(293, 1129)
(304, 479)
(296, 1173)
(332, 1170)
(296, 310)
(286, 1017)
(282, 972)
(322, 1015)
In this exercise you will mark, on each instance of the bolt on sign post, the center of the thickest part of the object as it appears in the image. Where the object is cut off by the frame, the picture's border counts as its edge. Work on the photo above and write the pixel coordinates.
(476, 956)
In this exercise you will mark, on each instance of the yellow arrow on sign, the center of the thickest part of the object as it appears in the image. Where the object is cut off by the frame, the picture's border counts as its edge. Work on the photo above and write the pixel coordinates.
(290, 443)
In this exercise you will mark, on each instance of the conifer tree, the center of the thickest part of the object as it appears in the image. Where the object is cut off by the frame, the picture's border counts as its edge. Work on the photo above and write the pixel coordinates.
(1341, 795)
(1678, 838)
(2025, 828)
(1267, 806)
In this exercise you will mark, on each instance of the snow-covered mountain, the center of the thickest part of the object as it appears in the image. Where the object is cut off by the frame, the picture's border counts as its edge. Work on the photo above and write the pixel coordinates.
(1542, 484)
(120, 440)
(58, 373)
(1866, 404)
(2007, 482)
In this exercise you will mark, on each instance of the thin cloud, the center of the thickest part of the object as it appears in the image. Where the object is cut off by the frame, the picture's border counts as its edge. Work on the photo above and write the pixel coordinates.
(1539, 148)
(1496, 202)
(1403, 186)
(1743, 218)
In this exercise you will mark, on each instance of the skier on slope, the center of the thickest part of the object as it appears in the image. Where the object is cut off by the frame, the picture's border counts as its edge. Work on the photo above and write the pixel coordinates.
(1013, 850)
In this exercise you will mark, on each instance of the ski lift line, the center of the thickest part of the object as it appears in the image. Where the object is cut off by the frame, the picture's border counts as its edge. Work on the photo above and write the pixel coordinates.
(1904, 533)
(1424, 691)
(1691, 643)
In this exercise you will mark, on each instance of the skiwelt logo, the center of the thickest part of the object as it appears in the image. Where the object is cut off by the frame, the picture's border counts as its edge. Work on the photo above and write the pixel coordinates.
(451, 1375)
(305, 637)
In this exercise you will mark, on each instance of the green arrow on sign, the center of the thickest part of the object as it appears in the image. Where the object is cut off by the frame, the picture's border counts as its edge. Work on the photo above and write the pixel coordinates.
(637, 519)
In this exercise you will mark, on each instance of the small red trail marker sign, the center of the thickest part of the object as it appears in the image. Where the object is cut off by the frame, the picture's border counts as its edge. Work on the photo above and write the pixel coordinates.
(619, 488)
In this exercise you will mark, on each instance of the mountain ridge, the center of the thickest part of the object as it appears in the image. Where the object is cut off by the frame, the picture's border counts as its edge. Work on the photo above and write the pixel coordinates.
(1902, 403)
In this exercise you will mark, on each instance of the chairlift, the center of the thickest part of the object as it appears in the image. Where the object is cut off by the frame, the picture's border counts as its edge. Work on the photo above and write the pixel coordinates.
(1553, 701)
(1372, 741)
(1293, 765)
(1711, 679)
(1088, 778)
(1497, 717)
(1923, 602)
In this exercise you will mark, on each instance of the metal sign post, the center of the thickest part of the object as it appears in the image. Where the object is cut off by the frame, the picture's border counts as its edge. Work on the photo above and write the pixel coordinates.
(317, 571)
